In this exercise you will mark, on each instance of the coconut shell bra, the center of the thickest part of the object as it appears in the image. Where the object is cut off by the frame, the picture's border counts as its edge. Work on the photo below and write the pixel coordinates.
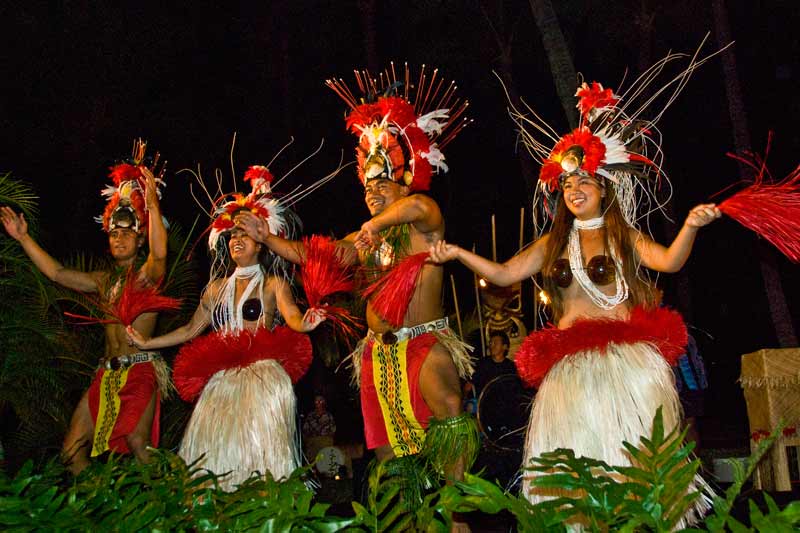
(600, 269)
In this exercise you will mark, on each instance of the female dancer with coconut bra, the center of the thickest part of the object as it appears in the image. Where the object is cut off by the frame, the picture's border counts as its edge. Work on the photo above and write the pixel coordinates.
(244, 420)
(604, 370)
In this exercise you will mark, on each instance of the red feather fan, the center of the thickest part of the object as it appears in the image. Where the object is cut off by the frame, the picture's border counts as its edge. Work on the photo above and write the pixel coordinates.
(200, 359)
(324, 271)
(771, 210)
(138, 297)
(544, 348)
(390, 295)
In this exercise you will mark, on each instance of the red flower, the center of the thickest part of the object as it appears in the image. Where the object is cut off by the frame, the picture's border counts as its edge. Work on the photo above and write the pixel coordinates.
(257, 172)
(594, 96)
(239, 203)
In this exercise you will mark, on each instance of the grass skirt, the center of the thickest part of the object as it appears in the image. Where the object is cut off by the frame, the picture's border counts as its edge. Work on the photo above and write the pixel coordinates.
(593, 399)
(244, 422)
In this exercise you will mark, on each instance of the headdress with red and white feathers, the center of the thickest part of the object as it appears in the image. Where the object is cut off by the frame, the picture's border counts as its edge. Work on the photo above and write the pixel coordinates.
(126, 203)
(402, 126)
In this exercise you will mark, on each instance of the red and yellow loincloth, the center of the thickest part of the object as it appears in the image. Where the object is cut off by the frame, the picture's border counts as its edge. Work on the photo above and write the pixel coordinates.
(200, 359)
(391, 401)
(117, 400)
(661, 327)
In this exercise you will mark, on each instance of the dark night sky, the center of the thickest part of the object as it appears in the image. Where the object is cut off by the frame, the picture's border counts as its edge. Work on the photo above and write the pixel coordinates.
(81, 80)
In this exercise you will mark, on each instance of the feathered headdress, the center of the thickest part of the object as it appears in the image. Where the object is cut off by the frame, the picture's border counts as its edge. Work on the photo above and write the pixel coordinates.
(402, 127)
(613, 141)
(126, 202)
(261, 200)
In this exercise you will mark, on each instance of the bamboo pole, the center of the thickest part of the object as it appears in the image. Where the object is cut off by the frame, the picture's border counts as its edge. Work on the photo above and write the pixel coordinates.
(455, 302)
(494, 241)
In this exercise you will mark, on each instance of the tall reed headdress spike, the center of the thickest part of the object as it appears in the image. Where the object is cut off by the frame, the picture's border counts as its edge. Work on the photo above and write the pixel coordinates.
(126, 203)
(402, 125)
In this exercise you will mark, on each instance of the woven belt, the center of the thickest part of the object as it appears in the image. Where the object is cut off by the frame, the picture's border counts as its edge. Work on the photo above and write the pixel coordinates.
(407, 333)
(128, 360)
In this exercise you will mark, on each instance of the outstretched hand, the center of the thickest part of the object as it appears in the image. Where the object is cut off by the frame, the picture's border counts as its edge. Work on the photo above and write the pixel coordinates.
(256, 228)
(702, 215)
(150, 189)
(135, 338)
(441, 252)
(313, 317)
(15, 224)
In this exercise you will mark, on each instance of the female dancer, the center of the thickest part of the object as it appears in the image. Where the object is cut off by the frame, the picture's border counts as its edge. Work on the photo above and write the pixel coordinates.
(244, 420)
(604, 370)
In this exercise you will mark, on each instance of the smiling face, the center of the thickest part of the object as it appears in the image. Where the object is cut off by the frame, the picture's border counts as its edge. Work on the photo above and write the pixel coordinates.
(124, 244)
(243, 249)
(583, 196)
(381, 193)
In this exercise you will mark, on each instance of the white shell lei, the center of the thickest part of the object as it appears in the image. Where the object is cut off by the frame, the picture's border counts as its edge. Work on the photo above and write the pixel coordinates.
(597, 296)
(227, 317)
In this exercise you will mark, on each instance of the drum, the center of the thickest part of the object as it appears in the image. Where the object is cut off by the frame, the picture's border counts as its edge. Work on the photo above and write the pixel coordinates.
(503, 409)
(329, 461)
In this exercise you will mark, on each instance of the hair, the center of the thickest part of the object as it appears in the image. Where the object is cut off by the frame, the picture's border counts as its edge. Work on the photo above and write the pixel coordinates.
(617, 231)
(502, 335)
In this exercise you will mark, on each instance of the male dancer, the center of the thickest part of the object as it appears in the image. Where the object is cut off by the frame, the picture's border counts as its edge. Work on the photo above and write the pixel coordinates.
(409, 364)
(132, 214)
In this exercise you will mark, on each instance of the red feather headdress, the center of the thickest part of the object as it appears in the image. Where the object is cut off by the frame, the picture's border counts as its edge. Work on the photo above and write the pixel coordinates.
(614, 140)
(260, 201)
(126, 193)
(400, 137)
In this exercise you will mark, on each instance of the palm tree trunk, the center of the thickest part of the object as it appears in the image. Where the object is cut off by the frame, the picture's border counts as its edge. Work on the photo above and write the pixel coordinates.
(504, 38)
(778, 308)
(561, 65)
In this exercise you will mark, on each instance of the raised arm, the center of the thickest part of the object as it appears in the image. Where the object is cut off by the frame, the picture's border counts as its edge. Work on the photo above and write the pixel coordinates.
(258, 230)
(293, 251)
(672, 259)
(291, 313)
(156, 265)
(417, 209)
(17, 229)
(519, 267)
(199, 322)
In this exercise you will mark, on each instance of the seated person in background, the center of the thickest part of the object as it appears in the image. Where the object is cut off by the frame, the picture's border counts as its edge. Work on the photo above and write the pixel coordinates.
(319, 427)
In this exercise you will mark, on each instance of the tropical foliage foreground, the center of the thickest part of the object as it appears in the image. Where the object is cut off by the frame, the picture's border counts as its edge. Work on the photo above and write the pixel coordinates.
(168, 495)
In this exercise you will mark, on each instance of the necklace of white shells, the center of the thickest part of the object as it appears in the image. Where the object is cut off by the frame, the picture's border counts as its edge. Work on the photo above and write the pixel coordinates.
(597, 296)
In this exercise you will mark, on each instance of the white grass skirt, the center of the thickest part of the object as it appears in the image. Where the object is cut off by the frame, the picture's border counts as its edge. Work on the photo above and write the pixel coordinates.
(591, 401)
(244, 422)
